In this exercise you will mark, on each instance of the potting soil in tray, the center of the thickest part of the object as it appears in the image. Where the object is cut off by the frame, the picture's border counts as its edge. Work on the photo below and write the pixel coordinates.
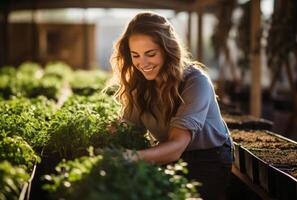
(286, 157)
(293, 172)
(261, 140)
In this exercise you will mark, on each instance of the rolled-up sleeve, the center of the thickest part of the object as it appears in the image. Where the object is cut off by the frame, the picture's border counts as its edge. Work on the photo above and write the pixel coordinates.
(197, 95)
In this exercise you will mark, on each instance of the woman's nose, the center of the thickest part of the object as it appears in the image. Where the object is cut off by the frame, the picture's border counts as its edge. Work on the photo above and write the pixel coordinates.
(143, 62)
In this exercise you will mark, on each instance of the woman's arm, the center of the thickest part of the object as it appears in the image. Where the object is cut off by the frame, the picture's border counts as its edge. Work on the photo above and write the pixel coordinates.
(169, 151)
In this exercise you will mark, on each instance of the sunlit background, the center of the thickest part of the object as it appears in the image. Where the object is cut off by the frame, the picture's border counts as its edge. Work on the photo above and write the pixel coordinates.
(110, 23)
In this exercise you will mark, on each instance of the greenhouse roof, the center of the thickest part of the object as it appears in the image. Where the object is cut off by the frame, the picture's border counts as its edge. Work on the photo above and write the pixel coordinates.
(178, 5)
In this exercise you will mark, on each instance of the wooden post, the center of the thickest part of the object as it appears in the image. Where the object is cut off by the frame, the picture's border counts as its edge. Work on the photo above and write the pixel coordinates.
(293, 114)
(34, 34)
(200, 32)
(189, 31)
(255, 65)
(4, 48)
(86, 62)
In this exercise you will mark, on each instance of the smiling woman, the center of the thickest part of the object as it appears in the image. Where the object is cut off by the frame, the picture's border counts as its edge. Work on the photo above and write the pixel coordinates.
(172, 97)
(147, 56)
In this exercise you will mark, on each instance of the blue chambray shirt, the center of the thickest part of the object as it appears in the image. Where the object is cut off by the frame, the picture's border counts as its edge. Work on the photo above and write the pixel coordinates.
(199, 114)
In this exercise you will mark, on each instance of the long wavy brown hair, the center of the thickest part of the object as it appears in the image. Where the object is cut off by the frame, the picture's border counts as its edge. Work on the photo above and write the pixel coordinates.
(134, 89)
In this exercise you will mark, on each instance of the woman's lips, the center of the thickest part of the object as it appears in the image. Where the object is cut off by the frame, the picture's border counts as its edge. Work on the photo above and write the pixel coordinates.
(148, 69)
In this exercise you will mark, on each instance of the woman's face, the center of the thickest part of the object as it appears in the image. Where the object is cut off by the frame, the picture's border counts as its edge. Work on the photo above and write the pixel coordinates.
(147, 56)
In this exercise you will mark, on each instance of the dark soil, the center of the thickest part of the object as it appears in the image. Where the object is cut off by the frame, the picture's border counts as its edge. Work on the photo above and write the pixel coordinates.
(275, 157)
(260, 140)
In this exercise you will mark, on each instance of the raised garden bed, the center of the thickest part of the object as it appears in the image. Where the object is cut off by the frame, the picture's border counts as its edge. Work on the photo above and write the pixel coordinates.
(258, 151)
(258, 163)
(261, 139)
(257, 139)
(286, 157)
(239, 157)
(275, 182)
(285, 182)
(251, 166)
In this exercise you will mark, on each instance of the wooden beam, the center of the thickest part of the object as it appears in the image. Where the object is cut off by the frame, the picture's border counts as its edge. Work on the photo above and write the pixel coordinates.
(166, 4)
(177, 5)
(255, 64)
(204, 4)
(189, 32)
(34, 33)
(144, 4)
(85, 41)
(200, 36)
(4, 47)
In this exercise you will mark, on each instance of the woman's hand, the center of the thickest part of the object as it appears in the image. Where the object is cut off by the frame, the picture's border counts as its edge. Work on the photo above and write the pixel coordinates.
(112, 127)
(131, 155)
(168, 151)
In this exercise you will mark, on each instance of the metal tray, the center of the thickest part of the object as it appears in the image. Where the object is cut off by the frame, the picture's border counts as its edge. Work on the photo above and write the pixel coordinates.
(239, 157)
(273, 179)
(286, 185)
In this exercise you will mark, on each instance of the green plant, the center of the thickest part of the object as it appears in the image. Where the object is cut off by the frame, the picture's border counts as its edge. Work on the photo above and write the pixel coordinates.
(242, 37)
(49, 86)
(221, 30)
(59, 70)
(5, 89)
(87, 82)
(85, 121)
(7, 74)
(278, 49)
(30, 68)
(8, 70)
(17, 152)
(31, 81)
(123, 135)
(12, 179)
(110, 176)
(28, 118)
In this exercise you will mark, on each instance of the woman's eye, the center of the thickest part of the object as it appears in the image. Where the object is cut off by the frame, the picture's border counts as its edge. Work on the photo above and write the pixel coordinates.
(135, 56)
(151, 55)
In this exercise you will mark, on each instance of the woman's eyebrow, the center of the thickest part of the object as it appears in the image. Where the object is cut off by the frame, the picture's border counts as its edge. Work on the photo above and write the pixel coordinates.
(149, 51)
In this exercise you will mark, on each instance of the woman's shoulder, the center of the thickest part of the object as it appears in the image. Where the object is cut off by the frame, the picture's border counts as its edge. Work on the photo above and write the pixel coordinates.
(196, 82)
(194, 71)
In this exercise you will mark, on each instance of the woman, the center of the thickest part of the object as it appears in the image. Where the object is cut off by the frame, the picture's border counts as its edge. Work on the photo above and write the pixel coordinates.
(165, 93)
